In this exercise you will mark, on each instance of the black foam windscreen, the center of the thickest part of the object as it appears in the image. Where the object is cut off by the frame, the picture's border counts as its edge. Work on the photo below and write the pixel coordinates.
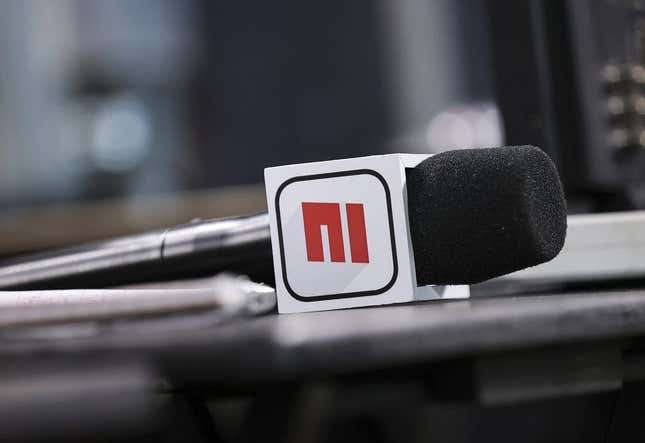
(476, 214)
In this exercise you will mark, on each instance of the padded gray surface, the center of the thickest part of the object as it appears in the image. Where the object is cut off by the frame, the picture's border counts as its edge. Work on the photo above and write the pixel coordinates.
(278, 347)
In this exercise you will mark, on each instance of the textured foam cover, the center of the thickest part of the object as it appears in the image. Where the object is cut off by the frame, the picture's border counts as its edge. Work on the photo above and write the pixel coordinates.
(476, 214)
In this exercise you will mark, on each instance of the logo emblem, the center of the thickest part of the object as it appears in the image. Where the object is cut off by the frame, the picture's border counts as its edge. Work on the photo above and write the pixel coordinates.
(316, 216)
(336, 235)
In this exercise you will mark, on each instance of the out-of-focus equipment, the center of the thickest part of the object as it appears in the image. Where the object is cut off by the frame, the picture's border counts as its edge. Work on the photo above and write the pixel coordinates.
(224, 297)
(599, 248)
(571, 78)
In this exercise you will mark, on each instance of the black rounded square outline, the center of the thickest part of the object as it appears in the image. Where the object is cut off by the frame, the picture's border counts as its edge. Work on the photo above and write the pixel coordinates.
(395, 266)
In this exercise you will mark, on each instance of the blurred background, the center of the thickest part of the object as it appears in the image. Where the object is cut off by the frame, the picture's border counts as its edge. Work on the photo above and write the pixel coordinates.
(115, 98)
(119, 116)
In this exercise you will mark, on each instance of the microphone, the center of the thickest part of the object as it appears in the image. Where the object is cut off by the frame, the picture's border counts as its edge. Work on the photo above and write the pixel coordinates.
(476, 214)
(385, 229)
(201, 247)
(462, 217)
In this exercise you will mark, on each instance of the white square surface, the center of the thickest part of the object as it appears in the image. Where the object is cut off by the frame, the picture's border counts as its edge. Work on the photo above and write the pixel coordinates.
(313, 278)
(318, 280)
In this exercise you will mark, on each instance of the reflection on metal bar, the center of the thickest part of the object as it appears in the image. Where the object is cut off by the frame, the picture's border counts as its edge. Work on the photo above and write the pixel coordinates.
(227, 294)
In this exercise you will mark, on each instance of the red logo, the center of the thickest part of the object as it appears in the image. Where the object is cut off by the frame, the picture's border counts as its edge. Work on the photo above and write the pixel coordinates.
(316, 215)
